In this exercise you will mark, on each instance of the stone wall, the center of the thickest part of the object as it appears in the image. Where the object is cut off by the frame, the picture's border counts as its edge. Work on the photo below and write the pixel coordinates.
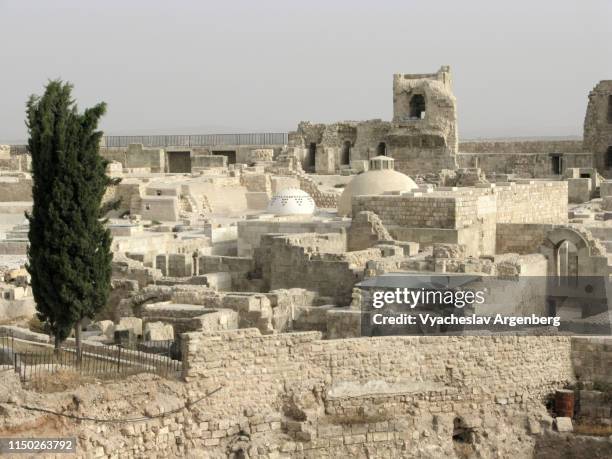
(366, 231)
(309, 398)
(460, 216)
(524, 158)
(319, 398)
(425, 211)
(592, 358)
(520, 146)
(598, 127)
(532, 202)
(490, 368)
(521, 238)
(525, 165)
(15, 189)
(250, 232)
(314, 262)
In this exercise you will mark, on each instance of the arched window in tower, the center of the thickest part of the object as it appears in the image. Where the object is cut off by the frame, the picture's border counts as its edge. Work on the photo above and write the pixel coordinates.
(610, 108)
(609, 158)
(417, 107)
(381, 149)
(345, 156)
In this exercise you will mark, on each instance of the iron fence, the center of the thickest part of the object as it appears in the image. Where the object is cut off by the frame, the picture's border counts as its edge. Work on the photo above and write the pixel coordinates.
(99, 360)
(202, 140)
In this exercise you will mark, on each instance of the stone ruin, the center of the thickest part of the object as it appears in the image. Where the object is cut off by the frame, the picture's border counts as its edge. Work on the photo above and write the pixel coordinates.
(256, 259)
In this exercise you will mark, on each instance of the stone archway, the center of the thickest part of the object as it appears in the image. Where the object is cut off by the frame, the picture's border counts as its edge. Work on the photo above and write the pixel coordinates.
(590, 258)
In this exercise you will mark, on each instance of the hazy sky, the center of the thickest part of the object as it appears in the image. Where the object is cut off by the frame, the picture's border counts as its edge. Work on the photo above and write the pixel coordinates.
(520, 67)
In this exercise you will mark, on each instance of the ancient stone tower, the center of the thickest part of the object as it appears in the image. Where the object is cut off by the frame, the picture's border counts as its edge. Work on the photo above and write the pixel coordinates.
(424, 127)
(598, 127)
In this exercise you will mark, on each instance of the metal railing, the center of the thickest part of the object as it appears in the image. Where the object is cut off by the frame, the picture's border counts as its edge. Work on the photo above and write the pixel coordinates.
(158, 357)
(201, 140)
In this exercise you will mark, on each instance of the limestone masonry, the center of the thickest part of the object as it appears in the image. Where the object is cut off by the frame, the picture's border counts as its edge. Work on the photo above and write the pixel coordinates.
(244, 267)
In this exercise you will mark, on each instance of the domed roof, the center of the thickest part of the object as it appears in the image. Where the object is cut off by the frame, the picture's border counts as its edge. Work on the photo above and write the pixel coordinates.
(291, 201)
(373, 182)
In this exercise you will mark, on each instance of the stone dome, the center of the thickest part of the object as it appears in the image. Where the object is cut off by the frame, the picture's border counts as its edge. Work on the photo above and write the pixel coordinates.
(291, 201)
(375, 181)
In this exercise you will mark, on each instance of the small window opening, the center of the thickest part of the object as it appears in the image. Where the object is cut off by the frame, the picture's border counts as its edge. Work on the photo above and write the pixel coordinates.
(312, 151)
(609, 158)
(345, 157)
(557, 164)
(417, 107)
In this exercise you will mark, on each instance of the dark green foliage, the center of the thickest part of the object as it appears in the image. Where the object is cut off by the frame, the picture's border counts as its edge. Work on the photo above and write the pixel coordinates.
(69, 257)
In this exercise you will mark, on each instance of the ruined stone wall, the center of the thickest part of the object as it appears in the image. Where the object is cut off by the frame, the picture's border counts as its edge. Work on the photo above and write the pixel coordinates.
(520, 146)
(322, 199)
(118, 154)
(525, 165)
(213, 264)
(371, 139)
(521, 238)
(294, 395)
(16, 162)
(527, 158)
(366, 231)
(251, 231)
(256, 182)
(490, 368)
(312, 262)
(15, 189)
(532, 202)
(313, 397)
(598, 127)
(592, 358)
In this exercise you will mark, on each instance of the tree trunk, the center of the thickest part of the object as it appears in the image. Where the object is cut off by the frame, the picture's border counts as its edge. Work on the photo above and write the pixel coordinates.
(57, 343)
(77, 338)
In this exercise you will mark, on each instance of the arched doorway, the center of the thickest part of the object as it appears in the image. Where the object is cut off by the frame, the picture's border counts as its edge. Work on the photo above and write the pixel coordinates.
(345, 155)
(417, 107)
(609, 158)
(381, 149)
(566, 262)
(568, 248)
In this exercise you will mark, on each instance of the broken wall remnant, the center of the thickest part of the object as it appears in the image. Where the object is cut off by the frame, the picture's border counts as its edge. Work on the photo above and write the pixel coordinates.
(598, 127)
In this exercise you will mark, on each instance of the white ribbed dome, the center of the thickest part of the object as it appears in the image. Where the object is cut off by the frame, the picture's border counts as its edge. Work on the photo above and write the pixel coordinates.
(291, 201)
(373, 182)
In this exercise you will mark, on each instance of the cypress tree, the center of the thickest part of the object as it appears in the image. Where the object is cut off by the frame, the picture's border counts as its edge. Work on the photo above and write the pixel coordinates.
(69, 257)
